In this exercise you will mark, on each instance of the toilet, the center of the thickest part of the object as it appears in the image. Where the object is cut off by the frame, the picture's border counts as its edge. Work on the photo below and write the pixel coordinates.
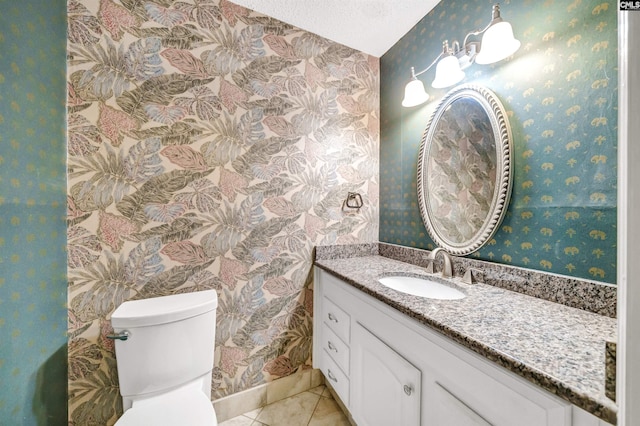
(164, 352)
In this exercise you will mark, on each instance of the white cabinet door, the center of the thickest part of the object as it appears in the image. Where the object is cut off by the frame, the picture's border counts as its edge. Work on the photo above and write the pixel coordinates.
(472, 392)
(385, 388)
(450, 410)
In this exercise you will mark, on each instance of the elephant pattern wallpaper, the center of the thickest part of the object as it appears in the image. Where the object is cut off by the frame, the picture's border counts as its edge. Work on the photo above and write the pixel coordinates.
(560, 93)
(209, 147)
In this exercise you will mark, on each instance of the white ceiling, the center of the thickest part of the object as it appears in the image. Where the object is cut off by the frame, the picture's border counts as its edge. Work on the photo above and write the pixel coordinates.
(370, 26)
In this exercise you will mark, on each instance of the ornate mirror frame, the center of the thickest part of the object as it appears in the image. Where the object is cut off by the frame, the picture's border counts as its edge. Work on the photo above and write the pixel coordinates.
(465, 169)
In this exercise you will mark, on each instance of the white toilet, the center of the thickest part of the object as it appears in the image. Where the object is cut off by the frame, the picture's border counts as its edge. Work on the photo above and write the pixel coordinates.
(164, 352)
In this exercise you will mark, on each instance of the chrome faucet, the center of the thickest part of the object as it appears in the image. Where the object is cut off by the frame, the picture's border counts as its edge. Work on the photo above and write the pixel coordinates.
(447, 268)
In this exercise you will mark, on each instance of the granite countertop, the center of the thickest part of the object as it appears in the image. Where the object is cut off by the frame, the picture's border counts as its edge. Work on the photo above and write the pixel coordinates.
(560, 348)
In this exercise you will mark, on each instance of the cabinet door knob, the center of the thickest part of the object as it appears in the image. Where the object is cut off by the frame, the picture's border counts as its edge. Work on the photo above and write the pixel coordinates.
(331, 376)
(331, 346)
(408, 390)
(332, 317)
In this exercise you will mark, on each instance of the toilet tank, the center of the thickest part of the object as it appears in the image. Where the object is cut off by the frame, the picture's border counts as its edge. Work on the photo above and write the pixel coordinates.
(171, 341)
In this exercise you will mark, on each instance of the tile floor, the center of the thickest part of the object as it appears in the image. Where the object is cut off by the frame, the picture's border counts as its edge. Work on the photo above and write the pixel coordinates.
(315, 407)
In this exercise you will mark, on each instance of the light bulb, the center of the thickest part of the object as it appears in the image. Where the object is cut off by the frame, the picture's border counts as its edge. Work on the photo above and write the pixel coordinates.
(414, 93)
(497, 44)
(448, 72)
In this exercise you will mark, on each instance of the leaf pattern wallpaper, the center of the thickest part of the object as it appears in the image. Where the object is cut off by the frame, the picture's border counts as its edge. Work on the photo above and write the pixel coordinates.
(560, 93)
(209, 147)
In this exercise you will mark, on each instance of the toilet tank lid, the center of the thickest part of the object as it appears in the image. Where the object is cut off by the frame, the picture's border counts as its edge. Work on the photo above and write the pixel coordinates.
(164, 309)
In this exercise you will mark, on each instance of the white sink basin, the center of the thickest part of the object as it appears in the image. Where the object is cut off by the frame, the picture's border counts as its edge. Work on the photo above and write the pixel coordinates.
(422, 287)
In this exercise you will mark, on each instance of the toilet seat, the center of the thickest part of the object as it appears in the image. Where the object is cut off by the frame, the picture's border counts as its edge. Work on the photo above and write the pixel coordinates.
(181, 407)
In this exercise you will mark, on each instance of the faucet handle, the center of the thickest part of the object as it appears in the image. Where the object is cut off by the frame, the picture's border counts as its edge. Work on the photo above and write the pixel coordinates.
(429, 267)
(472, 276)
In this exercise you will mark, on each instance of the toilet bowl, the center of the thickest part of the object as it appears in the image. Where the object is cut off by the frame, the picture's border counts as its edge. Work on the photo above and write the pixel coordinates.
(184, 406)
(164, 353)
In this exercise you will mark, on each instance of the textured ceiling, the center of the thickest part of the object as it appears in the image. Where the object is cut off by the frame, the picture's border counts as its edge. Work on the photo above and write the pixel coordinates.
(370, 26)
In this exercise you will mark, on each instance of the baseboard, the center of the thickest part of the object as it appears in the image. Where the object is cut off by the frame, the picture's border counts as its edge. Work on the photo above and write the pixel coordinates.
(242, 402)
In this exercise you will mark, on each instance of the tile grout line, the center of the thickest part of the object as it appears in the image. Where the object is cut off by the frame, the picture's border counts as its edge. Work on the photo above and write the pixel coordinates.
(315, 408)
(255, 421)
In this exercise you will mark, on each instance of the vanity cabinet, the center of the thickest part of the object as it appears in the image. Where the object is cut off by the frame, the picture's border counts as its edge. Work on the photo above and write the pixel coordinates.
(389, 369)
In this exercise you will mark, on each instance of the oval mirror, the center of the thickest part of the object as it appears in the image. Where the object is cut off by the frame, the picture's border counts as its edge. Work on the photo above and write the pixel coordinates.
(465, 169)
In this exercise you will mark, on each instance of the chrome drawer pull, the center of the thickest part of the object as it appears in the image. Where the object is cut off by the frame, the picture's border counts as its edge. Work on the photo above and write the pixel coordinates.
(408, 390)
(330, 345)
(123, 335)
(331, 376)
(332, 317)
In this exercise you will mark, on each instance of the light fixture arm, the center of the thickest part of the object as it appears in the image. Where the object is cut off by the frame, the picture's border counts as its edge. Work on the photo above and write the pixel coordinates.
(414, 74)
(473, 33)
(446, 50)
(495, 18)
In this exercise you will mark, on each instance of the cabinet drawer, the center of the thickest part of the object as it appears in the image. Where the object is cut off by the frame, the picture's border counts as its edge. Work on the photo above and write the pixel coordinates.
(339, 382)
(337, 319)
(336, 348)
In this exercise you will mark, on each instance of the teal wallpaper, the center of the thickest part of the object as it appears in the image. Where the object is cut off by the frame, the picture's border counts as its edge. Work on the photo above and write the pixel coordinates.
(560, 91)
(33, 315)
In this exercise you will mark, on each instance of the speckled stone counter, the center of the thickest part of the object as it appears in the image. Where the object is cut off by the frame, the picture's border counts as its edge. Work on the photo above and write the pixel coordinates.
(557, 347)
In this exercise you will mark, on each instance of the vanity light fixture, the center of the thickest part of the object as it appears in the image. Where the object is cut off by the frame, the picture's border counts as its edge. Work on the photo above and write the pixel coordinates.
(497, 44)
